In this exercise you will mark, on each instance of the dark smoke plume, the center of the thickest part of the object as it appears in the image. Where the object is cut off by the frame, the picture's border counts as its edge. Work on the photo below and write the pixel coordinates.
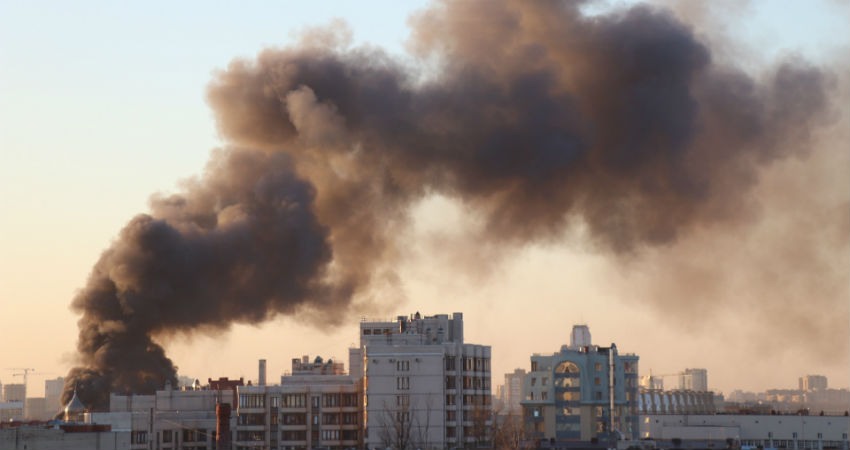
(534, 116)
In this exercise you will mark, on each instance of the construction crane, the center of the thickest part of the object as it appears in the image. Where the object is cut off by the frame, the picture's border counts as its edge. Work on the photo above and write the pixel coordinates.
(661, 376)
(21, 372)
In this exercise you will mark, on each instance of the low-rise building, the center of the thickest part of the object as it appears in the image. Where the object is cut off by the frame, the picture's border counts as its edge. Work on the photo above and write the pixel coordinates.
(765, 431)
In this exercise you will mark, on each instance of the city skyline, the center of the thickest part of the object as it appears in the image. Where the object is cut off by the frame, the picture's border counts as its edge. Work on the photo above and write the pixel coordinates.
(93, 128)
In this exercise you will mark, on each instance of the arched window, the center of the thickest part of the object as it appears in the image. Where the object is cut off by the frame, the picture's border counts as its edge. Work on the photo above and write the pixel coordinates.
(567, 367)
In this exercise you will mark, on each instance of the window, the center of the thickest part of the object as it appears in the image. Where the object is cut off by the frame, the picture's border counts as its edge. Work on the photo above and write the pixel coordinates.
(450, 363)
(294, 400)
(349, 399)
(597, 367)
(297, 435)
(402, 400)
(544, 381)
(167, 436)
(331, 400)
(251, 419)
(314, 401)
(367, 331)
(402, 383)
(349, 418)
(275, 401)
(402, 416)
(567, 367)
(402, 366)
(450, 382)
(570, 396)
(597, 381)
(451, 432)
(451, 416)
(330, 419)
(450, 400)
(294, 419)
(544, 395)
(251, 436)
(192, 435)
(139, 437)
(533, 381)
(252, 401)
(330, 435)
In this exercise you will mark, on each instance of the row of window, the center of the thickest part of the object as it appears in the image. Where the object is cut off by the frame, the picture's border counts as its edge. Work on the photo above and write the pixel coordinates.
(376, 331)
(168, 436)
(334, 400)
(468, 382)
(468, 416)
(326, 435)
(251, 419)
(473, 431)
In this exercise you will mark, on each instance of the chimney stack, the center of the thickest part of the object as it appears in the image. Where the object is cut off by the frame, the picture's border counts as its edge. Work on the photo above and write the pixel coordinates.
(222, 426)
(262, 379)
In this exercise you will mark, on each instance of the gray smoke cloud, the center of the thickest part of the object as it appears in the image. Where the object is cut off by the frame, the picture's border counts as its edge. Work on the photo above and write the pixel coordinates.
(534, 116)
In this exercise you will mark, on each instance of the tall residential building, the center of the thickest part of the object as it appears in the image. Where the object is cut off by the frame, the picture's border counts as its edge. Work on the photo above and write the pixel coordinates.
(53, 395)
(512, 392)
(424, 386)
(813, 383)
(582, 392)
(694, 380)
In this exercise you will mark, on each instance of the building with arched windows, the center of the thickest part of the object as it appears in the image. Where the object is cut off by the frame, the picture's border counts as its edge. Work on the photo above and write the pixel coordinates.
(583, 392)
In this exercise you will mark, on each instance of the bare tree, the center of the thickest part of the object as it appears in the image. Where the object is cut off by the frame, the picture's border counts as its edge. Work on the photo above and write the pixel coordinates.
(423, 423)
(396, 424)
(508, 432)
(481, 419)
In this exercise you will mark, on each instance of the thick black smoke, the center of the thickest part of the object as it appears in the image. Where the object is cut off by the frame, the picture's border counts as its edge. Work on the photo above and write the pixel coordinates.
(534, 116)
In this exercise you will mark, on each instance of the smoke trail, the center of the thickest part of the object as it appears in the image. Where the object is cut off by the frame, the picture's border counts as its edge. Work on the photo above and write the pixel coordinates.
(536, 117)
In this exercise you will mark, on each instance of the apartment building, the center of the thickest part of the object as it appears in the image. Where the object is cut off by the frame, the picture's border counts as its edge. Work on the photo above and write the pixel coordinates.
(424, 387)
(582, 392)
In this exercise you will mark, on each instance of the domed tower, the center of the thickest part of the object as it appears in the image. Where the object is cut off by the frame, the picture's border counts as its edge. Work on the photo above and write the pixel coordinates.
(75, 409)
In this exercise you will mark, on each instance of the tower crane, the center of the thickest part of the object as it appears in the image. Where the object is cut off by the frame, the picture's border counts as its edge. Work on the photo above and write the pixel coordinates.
(662, 376)
(21, 372)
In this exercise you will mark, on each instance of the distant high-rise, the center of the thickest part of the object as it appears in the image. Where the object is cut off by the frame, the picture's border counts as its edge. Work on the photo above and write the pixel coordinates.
(261, 378)
(53, 395)
(580, 337)
(512, 391)
(694, 380)
(813, 383)
(14, 392)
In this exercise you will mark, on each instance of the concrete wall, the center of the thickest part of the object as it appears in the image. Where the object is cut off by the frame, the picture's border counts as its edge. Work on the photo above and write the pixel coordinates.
(32, 438)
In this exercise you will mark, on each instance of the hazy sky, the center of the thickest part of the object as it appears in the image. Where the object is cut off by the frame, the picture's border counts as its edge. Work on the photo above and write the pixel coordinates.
(103, 104)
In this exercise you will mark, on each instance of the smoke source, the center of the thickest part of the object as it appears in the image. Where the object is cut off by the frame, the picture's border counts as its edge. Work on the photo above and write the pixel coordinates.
(534, 116)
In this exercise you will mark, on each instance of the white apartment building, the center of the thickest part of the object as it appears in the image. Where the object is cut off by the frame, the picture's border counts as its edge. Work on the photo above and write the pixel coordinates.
(424, 387)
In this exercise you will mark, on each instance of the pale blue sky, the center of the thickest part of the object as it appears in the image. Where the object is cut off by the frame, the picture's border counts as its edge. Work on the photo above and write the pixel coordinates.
(102, 104)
